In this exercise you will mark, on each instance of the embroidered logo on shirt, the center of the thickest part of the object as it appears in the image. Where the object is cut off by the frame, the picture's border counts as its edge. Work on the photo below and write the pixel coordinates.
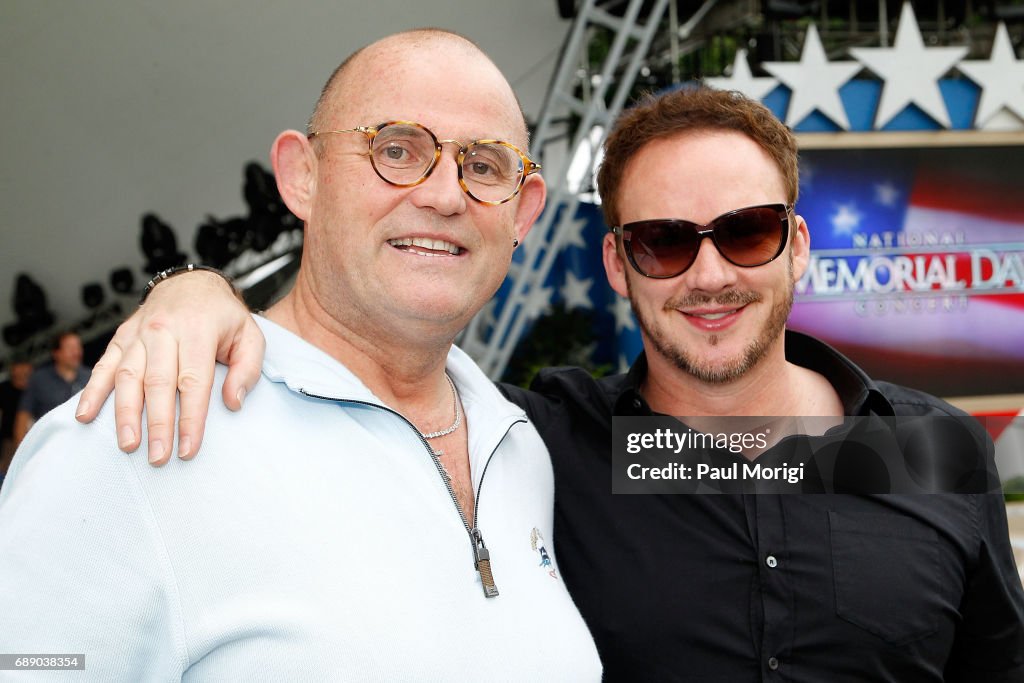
(537, 543)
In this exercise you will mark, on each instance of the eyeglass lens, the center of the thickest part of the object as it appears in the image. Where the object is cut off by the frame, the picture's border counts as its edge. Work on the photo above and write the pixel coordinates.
(403, 154)
(748, 237)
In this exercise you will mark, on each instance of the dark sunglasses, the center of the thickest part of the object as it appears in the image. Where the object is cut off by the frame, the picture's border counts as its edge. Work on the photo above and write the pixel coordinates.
(667, 247)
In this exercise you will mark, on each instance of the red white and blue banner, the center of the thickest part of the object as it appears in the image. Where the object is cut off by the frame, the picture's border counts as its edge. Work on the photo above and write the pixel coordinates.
(917, 264)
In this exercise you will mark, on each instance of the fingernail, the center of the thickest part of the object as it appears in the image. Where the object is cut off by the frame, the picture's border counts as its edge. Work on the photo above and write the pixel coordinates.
(156, 451)
(184, 446)
(241, 396)
(83, 408)
(127, 437)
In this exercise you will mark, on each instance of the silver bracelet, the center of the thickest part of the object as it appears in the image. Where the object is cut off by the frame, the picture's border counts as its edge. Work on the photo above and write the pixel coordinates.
(177, 270)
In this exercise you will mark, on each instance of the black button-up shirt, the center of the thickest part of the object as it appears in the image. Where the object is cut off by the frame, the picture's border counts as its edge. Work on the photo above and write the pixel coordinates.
(776, 587)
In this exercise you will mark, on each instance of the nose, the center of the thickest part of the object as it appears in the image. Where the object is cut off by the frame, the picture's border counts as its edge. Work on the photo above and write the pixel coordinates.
(710, 271)
(441, 191)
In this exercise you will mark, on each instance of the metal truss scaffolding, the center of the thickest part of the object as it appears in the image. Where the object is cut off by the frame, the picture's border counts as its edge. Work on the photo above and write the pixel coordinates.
(493, 334)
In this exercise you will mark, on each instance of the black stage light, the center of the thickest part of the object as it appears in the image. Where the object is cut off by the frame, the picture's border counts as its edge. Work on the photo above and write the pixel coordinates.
(268, 215)
(15, 333)
(29, 297)
(93, 295)
(219, 242)
(159, 245)
(121, 280)
(29, 303)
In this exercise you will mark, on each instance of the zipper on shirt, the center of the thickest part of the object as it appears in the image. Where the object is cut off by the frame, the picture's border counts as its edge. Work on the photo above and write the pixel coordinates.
(481, 556)
(482, 564)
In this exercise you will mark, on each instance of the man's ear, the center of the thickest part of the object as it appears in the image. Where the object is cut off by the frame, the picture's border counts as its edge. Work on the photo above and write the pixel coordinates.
(801, 248)
(614, 265)
(531, 202)
(294, 163)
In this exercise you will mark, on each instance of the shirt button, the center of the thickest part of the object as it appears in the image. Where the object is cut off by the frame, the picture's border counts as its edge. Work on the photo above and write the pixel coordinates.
(637, 403)
(773, 663)
(771, 561)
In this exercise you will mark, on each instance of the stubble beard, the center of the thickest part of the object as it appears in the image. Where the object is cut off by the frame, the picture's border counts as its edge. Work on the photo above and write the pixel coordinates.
(729, 370)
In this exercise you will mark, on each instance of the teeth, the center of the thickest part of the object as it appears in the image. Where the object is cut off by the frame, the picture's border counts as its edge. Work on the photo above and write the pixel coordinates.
(712, 316)
(426, 243)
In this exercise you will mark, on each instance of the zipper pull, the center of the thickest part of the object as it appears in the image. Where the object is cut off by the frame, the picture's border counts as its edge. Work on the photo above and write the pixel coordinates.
(482, 563)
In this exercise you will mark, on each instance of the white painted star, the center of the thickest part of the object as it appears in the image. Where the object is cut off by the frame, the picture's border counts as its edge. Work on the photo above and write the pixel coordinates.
(815, 82)
(623, 312)
(911, 71)
(845, 219)
(754, 87)
(1001, 79)
(571, 233)
(886, 193)
(575, 292)
(537, 302)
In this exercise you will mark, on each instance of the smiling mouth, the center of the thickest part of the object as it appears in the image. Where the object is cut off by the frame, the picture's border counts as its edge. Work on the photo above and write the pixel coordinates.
(426, 246)
(712, 316)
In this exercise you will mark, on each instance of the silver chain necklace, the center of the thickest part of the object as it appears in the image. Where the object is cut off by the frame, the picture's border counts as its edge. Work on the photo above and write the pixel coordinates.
(458, 413)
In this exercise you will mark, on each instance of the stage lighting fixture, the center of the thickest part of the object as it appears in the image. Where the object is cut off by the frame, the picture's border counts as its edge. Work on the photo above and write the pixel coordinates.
(218, 242)
(122, 281)
(93, 295)
(159, 245)
(29, 305)
(15, 333)
(268, 216)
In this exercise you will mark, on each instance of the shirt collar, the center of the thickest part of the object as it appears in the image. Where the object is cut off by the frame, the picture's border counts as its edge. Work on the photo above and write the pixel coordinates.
(857, 391)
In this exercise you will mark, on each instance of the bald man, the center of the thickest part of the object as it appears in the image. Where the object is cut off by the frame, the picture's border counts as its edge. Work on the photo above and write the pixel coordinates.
(379, 511)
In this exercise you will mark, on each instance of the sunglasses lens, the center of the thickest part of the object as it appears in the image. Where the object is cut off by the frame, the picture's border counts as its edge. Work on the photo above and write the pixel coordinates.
(663, 248)
(750, 237)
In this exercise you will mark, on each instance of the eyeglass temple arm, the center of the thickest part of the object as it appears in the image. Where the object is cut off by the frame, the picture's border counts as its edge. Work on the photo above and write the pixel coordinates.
(361, 129)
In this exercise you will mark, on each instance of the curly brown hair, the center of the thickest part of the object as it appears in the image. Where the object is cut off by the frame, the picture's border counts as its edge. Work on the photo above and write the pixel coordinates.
(690, 109)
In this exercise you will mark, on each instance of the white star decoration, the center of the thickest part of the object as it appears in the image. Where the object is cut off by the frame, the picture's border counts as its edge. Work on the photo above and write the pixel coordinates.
(754, 87)
(845, 219)
(572, 233)
(623, 313)
(575, 292)
(886, 194)
(1001, 79)
(911, 71)
(815, 82)
(537, 301)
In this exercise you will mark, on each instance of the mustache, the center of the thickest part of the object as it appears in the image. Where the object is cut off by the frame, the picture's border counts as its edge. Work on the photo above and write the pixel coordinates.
(730, 298)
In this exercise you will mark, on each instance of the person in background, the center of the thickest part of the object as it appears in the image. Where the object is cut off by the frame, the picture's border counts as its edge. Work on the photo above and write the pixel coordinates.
(11, 389)
(52, 384)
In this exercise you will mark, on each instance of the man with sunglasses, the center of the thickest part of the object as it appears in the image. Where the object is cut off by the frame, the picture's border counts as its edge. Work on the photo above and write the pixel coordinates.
(379, 511)
(699, 188)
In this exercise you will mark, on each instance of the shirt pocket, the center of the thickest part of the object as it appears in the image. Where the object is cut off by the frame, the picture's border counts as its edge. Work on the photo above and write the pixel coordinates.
(886, 575)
